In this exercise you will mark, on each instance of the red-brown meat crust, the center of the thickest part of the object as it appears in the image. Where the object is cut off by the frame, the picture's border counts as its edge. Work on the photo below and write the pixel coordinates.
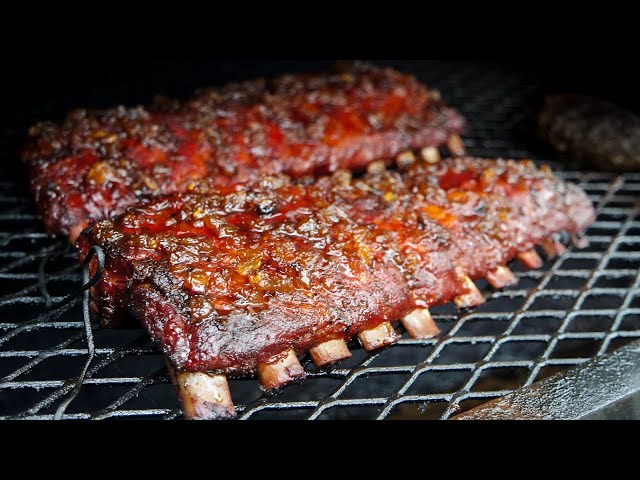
(495, 209)
(223, 282)
(95, 164)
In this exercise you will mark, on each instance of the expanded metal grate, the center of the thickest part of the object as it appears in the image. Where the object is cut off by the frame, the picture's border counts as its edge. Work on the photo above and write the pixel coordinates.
(576, 307)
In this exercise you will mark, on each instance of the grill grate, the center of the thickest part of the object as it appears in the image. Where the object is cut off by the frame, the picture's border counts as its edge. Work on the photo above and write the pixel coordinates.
(579, 306)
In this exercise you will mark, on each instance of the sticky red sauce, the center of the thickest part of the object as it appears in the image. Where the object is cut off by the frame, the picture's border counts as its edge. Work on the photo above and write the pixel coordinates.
(224, 282)
(299, 125)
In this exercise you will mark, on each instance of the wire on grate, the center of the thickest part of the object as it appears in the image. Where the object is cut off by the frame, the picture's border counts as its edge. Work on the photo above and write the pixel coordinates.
(88, 281)
(576, 307)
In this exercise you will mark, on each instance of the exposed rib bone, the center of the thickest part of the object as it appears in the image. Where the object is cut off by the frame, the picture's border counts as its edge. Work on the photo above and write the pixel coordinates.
(279, 370)
(376, 167)
(405, 159)
(204, 396)
(579, 241)
(530, 259)
(473, 296)
(501, 277)
(378, 336)
(455, 145)
(329, 352)
(420, 324)
(553, 247)
(430, 155)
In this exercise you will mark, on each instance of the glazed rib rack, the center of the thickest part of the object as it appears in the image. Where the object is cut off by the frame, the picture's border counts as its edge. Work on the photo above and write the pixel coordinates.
(243, 283)
(94, 164)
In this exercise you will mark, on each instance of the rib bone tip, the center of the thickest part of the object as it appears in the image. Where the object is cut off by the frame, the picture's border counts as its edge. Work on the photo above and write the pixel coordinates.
(378, 336)
(420, 324)
(204, 396)
(430, 155)
(472, 297)
(579, 241)
(376, 167)
(501, 277)
(530, 259)
(455, 145)
(553, 247)
(280, 370)
(330, 351)
(405, 159)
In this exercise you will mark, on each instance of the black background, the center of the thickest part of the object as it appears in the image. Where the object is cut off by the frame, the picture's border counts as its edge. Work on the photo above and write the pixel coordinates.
(51, 86)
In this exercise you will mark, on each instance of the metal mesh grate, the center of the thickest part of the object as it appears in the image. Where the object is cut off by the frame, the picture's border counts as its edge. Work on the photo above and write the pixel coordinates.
(576, 307)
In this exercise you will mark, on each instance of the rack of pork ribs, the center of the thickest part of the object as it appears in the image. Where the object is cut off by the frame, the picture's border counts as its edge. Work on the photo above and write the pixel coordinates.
(96, 163)
(254, 224)
(246, 282)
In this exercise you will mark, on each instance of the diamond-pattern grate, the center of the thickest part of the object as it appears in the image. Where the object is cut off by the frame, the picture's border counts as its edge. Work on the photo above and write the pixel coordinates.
(578, 306)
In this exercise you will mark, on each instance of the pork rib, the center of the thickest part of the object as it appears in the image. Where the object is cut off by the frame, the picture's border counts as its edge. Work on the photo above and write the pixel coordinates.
(95, 164)
(244, 282)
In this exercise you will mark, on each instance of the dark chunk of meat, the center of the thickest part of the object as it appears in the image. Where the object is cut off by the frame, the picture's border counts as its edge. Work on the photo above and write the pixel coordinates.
(600, 134)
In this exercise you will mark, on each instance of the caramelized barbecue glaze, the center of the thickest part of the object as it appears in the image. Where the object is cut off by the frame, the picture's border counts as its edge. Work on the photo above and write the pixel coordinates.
(95, 164)
(225, 279)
